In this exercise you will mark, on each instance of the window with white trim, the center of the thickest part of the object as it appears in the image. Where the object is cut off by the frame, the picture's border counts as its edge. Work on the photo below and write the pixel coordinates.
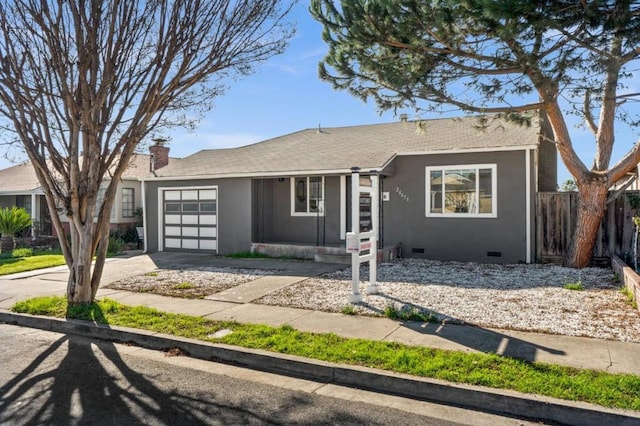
(128, 202)
(461, 191)
(307, 196)
(100, 199)
(24, 202)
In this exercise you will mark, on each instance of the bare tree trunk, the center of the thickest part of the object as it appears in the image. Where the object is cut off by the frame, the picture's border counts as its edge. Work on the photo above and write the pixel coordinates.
(79, 286)
(592, 206)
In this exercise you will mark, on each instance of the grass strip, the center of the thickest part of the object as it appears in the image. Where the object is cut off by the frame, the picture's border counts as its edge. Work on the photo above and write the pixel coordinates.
(605, 389)
(23, 264)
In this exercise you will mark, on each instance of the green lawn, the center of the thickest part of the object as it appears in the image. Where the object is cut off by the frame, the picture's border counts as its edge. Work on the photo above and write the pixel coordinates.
(609, 390)
(14, 265)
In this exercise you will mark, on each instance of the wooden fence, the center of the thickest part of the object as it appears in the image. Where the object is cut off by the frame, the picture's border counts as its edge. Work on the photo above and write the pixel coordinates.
(556, 216)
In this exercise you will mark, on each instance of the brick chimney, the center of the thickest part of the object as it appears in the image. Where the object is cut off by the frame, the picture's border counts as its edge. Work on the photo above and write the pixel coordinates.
(159, 154)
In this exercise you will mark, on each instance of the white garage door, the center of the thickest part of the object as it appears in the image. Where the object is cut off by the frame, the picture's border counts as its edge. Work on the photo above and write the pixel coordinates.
(190, 219)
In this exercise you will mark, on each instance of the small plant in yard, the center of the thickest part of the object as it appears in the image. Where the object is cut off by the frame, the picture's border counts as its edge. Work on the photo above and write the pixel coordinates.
(625, 290)
(183, 286)
(576, 286)
(22, 252)
(408, 313)
(348, 309)
(116, 246)
(151, 274)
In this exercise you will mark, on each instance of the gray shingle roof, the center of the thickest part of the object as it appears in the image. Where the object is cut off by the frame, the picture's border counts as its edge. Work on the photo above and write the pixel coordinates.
(338, 149)
(22, 177)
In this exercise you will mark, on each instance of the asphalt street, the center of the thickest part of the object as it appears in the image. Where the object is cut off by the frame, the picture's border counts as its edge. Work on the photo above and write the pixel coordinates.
(56, 379)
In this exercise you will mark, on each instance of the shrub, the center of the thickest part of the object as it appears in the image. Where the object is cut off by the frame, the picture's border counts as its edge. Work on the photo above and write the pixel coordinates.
(127, 234)
(576, 286)
(22, 252)
(12, 221)
(183, 286)
(348, 310)
(116, 246)
(408, 313)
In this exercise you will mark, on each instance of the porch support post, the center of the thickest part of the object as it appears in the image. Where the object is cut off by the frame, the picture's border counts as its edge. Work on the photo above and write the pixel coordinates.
(143, 195)
(343, 207)
(372, 288)
(35, 216)
(528, 203)
(355, 296)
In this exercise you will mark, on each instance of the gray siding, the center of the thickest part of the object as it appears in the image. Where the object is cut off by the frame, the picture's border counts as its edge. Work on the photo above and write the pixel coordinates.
(234, 212)
(273, 222)
(464, 238)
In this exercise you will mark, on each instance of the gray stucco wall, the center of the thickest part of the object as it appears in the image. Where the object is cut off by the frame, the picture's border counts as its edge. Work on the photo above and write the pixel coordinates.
(463, 238)
(234, 212)
(273, 222)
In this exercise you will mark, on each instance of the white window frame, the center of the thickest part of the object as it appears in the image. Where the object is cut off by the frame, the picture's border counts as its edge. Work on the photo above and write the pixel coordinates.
(133, 202)
(477, 167)
(100, 198)
(293, 194)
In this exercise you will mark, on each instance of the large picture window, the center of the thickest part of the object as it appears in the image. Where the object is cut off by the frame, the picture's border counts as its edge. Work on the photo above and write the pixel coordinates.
(307, 196)
(458, 191)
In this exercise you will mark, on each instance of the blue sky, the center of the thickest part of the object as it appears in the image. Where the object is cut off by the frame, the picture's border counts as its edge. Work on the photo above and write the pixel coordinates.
(285, 95)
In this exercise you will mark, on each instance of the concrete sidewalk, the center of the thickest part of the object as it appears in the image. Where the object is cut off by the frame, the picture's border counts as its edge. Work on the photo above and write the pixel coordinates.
(235, 304)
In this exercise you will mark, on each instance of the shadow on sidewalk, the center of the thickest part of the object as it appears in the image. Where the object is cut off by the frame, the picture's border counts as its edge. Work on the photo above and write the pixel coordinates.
(474, 337)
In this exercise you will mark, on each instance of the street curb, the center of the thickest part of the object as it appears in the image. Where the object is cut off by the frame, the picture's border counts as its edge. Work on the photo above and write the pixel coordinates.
(474, 397)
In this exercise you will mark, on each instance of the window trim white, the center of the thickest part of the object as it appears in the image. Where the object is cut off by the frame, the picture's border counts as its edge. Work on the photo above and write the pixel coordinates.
(477, 167)
(133, 202)
(293, 200)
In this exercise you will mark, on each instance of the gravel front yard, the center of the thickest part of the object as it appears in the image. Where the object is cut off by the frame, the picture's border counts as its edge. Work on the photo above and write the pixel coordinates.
(191, 283)
(518, 297)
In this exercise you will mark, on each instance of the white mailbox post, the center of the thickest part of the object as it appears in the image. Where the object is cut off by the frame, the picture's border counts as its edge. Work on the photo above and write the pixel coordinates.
(364, 231)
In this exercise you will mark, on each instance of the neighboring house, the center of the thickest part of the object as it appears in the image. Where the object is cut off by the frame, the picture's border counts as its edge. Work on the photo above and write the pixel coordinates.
(448, 191)
(19, 186)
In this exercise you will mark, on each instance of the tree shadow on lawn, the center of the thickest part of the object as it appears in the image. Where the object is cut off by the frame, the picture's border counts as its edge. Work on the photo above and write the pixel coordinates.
(474, 337)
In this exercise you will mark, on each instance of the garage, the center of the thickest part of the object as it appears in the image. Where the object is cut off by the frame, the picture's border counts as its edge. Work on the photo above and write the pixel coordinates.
(189, 218)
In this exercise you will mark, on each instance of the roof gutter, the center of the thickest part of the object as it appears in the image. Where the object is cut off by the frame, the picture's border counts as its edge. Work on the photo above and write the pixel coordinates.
(470, 150)
(379, 169)
(284, 173)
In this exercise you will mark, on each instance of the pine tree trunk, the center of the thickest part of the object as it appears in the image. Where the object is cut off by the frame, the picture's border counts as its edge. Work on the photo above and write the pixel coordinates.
(592, 206)
(7, 244)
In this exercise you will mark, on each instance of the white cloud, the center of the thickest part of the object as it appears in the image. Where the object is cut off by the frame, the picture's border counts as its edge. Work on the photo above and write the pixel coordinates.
(313, 54)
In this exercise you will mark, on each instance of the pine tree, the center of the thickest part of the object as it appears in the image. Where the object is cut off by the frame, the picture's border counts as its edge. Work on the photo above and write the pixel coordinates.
(506, 57)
